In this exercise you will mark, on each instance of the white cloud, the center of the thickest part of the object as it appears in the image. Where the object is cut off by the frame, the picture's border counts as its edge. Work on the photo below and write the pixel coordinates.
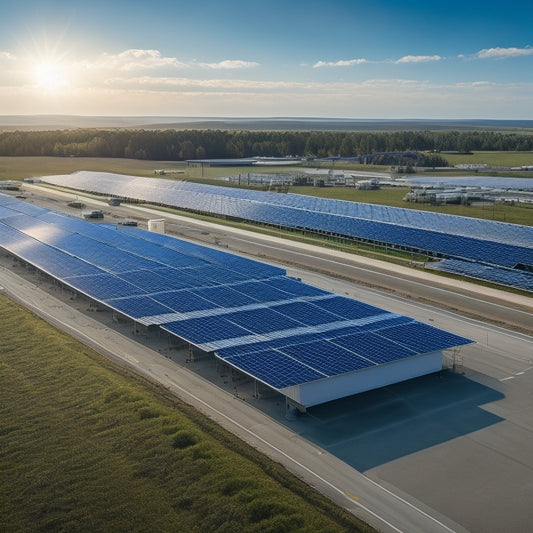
(230, 64)
(501, 53)
(340, 63)
(134, 59)
(6, 57)
(418, 59)
(476, 84)
(174, 83)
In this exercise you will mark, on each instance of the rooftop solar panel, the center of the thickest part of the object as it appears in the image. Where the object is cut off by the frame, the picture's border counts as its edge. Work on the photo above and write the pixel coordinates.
(252, 315)
(307, 313)
(295, 287)
(103, 286)
(275, 369)
(224, 296)
(183, 301)
(327, 357)
(374, 348)
(346, 307)
(262, 320)
(205, 330)
(422, 338)
(138, 306)
(262, 291)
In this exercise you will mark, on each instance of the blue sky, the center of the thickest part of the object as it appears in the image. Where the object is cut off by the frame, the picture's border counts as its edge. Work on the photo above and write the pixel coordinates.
(352, 59)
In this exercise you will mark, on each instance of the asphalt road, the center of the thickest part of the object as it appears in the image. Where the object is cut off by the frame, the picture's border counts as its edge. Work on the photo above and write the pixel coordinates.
(440, 453)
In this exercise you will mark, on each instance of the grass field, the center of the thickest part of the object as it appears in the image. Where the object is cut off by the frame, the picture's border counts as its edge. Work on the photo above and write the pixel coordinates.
(87, 447)
(499, 159)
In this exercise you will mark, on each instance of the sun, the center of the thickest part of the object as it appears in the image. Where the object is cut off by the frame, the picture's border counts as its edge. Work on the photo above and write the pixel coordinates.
(50, 76)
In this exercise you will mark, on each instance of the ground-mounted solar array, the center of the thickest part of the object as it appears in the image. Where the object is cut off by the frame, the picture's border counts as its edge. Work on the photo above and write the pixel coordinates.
(275, 328)
(508, 247)
(514, 278)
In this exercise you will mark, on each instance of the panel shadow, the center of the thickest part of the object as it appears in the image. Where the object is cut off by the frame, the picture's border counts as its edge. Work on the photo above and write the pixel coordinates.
(369, 429)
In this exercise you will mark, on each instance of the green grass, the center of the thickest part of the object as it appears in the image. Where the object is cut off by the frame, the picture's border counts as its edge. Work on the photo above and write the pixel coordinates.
(393, 196)
(86, 446)
(18, 168)
(498, 159)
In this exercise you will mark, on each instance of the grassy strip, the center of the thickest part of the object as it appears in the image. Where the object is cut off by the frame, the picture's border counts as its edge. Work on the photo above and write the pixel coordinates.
(86, 446)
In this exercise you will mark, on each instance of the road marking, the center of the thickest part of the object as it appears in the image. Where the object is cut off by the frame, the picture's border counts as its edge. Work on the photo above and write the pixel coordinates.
(352, 496)
(505, 379)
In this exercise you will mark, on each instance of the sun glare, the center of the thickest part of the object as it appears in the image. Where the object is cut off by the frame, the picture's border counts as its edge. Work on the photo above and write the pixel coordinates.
(50, 76)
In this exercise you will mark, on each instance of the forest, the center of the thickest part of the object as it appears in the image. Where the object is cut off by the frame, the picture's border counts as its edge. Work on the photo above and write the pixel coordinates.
(175, 145)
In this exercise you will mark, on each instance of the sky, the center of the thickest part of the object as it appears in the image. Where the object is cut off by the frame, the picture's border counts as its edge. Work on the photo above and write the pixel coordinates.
(377, 59)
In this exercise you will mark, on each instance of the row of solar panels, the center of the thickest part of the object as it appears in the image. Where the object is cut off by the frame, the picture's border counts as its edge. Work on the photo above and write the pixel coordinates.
(513, 278)
(159, 189)
(210, 298)
(496, 243)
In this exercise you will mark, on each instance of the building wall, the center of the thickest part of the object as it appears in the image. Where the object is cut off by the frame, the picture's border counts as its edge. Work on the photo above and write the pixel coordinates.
(325, 390)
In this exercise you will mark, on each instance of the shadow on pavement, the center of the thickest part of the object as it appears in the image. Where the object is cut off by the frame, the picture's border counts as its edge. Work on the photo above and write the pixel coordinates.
(373, 428)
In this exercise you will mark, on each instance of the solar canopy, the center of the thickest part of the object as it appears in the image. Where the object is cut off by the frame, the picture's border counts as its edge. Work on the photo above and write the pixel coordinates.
(277, 329)
(496, 244)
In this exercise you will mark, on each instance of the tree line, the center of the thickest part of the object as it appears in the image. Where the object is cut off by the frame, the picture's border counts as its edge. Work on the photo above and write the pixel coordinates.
(176, 145)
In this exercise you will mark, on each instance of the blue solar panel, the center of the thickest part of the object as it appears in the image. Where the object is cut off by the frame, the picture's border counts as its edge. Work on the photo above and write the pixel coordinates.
(138, 306)
(512, 278)
(254, 316)
(489, 242)
(307, 313)
(262, 320)
(103, 286)
(275, 369)
(183, 301)
(347, 308)
(327, 357)
(224, 296)
(183, 278)
(295, 287)
(203, 330)
(262, 291)
(422, 338)
(220, 274)
(374, 348)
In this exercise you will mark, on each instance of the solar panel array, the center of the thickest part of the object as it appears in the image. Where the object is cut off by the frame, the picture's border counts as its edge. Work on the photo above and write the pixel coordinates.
(489, 242)
(279, 330)
(513, 278)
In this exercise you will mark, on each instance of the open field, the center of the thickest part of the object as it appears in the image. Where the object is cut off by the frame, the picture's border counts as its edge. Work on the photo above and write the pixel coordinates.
(499, 159)
(87, 446)
(18, 168)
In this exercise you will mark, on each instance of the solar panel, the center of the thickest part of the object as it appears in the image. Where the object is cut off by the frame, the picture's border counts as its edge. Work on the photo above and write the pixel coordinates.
(262, 320)
(138, 306)
(252, 314)
(327, 357)
(306, 313)
(183, 301)
(275, 369)
(489, 242)
(204, 330)
(374, 348)
(103, 286)
(422, 338)
(347, 308)
(224, 296)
